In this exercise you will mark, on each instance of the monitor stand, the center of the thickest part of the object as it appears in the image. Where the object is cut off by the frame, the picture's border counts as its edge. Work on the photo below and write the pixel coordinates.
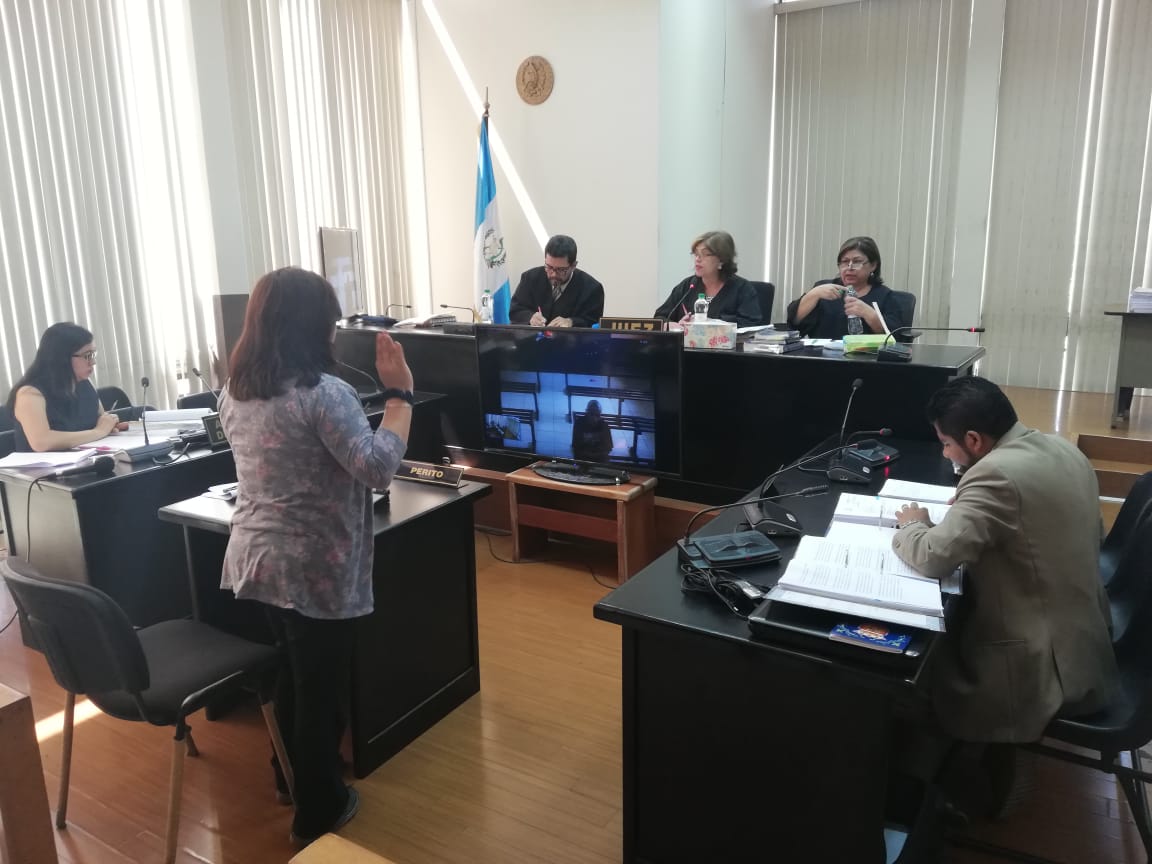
(588, 475)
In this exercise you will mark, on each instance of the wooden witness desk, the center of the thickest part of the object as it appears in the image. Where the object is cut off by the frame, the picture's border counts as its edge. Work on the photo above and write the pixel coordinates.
(1134, 361)
(417, 655)
(623, 515)
(28, 837)
(745, 749)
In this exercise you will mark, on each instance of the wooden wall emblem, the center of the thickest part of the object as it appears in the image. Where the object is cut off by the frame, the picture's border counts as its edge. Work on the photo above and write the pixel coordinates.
(534, 80)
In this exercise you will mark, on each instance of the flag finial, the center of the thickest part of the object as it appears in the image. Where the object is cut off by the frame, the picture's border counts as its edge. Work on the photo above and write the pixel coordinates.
(486, 105)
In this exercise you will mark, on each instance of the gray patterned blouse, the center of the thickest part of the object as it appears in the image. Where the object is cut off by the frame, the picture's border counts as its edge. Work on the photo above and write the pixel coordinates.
(306, 462)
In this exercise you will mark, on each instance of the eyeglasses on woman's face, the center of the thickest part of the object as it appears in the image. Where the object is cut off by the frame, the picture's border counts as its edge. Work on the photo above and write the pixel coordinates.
(89, 356)
(853, 264)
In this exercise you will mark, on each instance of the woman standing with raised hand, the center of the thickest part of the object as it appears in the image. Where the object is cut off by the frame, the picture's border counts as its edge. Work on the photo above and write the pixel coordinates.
(301, 544)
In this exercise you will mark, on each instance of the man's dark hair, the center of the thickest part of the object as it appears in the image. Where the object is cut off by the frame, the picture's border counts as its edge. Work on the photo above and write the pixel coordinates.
(971, 404)
(561, 246)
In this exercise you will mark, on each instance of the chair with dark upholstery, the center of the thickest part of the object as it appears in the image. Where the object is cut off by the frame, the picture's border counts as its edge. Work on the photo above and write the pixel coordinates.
(1135, 506)
(160, 674)
(206, 399)
(7, 435)
(766, 294)
(112, 398)
(906, 301)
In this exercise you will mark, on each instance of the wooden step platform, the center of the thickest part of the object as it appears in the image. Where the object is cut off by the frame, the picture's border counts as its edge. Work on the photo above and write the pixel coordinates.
(334, 849)
(1119, 462)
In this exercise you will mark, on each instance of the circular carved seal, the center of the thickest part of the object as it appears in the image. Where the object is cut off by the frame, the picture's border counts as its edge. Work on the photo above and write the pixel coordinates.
(534, 80)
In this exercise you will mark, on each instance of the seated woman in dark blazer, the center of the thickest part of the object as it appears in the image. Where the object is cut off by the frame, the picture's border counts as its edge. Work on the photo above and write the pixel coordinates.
(822, 312)
(730, 297)
(55, 406)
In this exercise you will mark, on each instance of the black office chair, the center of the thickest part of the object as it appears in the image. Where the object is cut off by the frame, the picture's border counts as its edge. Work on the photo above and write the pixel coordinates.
(1136, 504)
(906, 301)
(1126, 725)
(7, 435)
(766, 294)
(160, 674)
(113, 397)
(206, 399)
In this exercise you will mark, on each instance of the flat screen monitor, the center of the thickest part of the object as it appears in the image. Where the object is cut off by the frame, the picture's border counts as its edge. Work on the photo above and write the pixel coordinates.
(596, 396)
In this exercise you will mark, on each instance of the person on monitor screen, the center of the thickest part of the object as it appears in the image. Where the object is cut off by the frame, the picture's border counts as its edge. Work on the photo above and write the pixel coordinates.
(730, 297)
(822, 312)
(1032, 632)
(557, 294)
(591, 437)
(301, 544)
(54, 405)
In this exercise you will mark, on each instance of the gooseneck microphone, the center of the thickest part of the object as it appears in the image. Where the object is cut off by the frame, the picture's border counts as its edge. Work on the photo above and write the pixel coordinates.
(806, 493)
(680, 300)
(375, 393)
(468, 309)
(897, 352)
(102, 465)
(144, 382)
(388, 308)
(215, 395)
(856, 385)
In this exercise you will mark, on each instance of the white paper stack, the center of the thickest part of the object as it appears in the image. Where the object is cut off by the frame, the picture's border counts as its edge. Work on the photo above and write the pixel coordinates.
(1140, 300)
(51, 459)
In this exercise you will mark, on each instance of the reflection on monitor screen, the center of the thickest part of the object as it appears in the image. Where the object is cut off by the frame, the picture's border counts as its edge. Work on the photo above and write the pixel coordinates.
(593, 396)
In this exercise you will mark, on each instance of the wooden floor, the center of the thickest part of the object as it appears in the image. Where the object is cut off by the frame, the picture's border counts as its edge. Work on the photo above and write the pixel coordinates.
(529, 770)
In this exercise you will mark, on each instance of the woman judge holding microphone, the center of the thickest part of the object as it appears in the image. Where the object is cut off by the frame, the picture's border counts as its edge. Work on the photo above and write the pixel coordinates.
(301, 544)
(55, 406)
(730, 297)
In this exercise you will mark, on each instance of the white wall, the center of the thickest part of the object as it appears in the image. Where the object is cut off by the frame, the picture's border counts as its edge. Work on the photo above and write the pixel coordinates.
(587, 157)
(657, 130)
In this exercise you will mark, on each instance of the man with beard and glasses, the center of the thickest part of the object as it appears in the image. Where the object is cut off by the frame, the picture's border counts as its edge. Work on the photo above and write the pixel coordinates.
(557, 294)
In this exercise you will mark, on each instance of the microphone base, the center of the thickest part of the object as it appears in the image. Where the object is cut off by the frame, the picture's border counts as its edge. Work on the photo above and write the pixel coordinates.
(896, 352)
(144, 454)
(772, 520)
(737, 549)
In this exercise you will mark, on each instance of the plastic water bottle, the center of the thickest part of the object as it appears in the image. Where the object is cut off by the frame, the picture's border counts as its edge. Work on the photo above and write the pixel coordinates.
(700, 308)
(855, 325)
(486, 307)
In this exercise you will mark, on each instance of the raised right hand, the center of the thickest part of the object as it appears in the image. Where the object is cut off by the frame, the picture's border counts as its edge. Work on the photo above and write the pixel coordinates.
(390, 363)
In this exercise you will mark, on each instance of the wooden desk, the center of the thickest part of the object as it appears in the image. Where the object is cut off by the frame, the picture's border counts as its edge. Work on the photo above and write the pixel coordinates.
(28, 836)
(780, 746)
(615, 514)
(417, 656)
(1134, 363)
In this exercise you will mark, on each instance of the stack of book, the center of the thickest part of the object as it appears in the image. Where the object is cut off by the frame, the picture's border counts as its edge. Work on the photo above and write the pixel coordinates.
(1140, 300)
(853, 573)
(772, 341)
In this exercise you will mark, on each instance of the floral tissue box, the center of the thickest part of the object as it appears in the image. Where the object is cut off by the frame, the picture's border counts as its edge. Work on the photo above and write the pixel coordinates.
(710, 333)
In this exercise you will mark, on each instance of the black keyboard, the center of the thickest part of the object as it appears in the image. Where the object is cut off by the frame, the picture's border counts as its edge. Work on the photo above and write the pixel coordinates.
(584, 474)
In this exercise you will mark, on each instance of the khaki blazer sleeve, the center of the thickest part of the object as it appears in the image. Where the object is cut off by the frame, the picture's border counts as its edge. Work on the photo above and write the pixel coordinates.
(986, 510)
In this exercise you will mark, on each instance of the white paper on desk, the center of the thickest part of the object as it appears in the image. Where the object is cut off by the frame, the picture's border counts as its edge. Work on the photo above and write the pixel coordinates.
(857, 610)
(866, 584)
(872, 510)
(922, 493)
(124, 441)
(50, 459)
(182, 416)
(859, 534)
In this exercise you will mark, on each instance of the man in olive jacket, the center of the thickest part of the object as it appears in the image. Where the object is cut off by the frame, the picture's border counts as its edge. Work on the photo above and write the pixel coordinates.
(1031, 639)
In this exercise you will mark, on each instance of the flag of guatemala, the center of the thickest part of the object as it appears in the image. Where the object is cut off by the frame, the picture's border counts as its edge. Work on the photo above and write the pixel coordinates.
(488, 248)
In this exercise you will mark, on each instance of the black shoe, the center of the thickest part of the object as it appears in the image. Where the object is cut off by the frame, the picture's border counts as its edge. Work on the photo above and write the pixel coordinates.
(351, 807)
